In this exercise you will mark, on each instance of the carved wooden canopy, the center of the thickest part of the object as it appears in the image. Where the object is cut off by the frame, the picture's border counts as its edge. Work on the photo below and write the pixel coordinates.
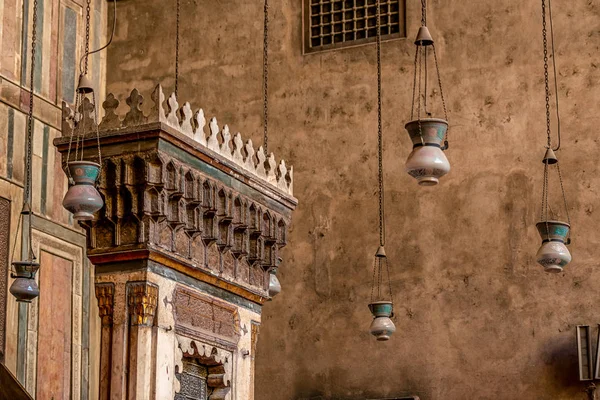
(176, 197)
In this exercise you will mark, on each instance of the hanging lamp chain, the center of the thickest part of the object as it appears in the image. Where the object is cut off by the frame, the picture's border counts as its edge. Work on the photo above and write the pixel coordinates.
(548, 11)
(28, 196)
(266, 78)
(546, 77)
(177, 27)
(550, 48)
(380, 262)
(379, 132)
(423, 12)
(439, 78)
(88, 13)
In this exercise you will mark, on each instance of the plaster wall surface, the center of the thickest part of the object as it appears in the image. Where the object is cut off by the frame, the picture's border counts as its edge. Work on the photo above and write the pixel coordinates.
(477, 318)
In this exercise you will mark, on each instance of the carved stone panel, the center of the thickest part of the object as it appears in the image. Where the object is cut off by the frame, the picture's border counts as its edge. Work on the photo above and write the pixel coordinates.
(192, 380)
(202, 317)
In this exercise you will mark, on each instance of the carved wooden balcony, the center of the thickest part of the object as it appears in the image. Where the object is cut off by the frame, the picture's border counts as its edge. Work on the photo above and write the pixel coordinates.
(202, 202)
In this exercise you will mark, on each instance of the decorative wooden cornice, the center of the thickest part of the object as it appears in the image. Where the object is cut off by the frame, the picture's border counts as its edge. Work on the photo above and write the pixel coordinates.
(208, 205)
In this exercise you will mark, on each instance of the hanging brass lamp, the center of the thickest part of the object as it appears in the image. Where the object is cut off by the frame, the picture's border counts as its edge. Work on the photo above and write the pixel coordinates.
(381, 305)
(427, 162)
(24, 287)
(82, 198)
(553, 254)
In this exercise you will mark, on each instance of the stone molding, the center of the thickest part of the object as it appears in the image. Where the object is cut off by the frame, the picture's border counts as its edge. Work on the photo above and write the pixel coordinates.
(142, 299)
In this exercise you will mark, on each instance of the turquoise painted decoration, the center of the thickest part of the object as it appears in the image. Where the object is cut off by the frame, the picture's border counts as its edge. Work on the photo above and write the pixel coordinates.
(427, 162)
(82, 198)
(553, 255)
(382, 326)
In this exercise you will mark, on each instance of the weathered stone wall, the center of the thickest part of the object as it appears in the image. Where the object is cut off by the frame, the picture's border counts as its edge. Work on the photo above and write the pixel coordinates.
(476, 317)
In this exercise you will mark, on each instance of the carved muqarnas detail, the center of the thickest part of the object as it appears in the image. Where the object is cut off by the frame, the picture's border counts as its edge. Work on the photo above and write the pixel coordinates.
(154, 200)
(206, 318)
(105, 293)
(142, 298)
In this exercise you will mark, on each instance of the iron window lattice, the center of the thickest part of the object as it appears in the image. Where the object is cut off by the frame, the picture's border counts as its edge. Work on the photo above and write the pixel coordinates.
(333, 24)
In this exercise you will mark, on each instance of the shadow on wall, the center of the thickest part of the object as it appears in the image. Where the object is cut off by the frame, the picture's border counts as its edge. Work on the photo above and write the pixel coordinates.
(561, 358)
(387, 398)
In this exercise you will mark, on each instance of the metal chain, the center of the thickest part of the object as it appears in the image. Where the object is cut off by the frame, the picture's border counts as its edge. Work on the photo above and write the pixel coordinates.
(423, 12)
(545, 209)
(28, 195)
(544, 191)
(554, 72)
(375, 261)
(177, 46)
(379, 261)
(96, 124)
(439, 77)
(412, 108)
(419, 92)
(563, 195)
(545, 203)
(266, 78)
(87, 35)
(387, 266)
(425, 85)
(546, 80)
(379, 132)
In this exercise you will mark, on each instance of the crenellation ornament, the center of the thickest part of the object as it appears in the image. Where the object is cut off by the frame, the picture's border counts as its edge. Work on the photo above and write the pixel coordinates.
(199, 199)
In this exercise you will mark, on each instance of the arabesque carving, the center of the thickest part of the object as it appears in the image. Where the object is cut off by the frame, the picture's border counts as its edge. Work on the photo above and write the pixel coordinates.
(105, 293)
(142, 299)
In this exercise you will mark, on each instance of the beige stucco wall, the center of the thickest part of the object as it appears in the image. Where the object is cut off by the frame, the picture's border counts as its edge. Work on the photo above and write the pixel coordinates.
(476, 317)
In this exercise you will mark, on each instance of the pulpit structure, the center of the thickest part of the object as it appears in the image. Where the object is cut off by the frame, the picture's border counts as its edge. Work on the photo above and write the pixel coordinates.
(193, 223)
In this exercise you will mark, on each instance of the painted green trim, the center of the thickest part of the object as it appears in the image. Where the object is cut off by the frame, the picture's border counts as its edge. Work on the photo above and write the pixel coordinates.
(176, 276)
(24, 42)
(44, 188)
(229, 181)
(10, 141)
(69, 62)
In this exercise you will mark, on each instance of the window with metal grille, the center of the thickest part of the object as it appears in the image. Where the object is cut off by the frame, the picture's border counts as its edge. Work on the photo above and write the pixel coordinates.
(192, 380)
(331, 24)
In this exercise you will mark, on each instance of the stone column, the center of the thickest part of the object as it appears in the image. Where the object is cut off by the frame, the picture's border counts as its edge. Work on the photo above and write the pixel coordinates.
(105, 294)
(142, 298)
(119, 345)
